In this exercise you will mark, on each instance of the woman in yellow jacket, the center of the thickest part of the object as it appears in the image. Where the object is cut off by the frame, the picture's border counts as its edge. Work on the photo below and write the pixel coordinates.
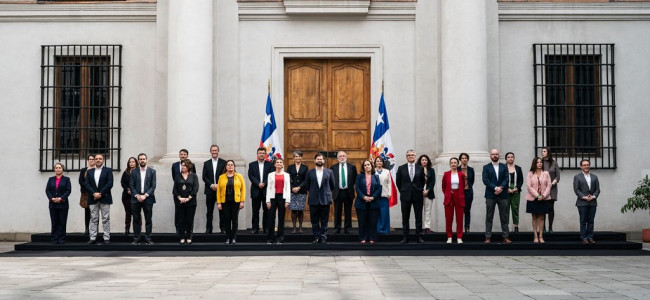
(231, 192)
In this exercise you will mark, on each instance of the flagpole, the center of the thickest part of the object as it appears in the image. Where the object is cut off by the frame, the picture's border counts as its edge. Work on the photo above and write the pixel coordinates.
(268, 87)
(382, 86)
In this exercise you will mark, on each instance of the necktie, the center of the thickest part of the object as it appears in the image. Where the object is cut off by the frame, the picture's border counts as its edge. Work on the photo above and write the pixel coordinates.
(343, 183)
(411, 172)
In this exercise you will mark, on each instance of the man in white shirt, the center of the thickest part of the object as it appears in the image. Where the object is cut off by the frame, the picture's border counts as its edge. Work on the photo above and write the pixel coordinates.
(212, 169)
(321, 187)
(142, 185)
(99, 183)
(587, 189)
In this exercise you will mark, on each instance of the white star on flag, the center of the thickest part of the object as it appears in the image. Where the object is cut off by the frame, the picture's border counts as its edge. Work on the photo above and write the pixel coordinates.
(380, 118)
(267, 120)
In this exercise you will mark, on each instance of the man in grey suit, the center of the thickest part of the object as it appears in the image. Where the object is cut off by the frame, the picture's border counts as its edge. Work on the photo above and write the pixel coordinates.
(142, 184)
(587, 188)
(321, 187)
(495, 178)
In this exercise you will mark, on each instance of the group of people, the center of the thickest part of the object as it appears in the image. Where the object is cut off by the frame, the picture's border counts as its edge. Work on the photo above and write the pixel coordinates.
(274, 190)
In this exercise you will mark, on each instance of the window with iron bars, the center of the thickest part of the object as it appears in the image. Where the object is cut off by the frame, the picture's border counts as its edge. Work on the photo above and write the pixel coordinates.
(574, 103)
(80, 105)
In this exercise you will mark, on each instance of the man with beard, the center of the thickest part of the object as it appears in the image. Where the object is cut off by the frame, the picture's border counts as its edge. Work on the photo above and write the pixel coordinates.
(320, 184)
(99, 182)
(142, 184)
(495, 178)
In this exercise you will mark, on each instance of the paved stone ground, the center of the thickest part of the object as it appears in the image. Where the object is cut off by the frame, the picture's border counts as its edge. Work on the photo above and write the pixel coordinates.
(324, 277)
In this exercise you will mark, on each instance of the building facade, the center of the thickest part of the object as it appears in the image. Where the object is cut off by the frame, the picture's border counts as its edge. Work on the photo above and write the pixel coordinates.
(125, 77)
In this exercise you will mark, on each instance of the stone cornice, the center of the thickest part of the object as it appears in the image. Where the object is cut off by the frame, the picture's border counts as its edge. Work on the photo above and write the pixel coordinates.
(574, 11)
(79, 12)
(333, 10)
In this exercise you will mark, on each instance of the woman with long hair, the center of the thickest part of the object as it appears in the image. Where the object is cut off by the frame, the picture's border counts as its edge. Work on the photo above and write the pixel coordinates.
(550, 166)
(469, 190)
(368, 191)
(538, 183)
(131, 164)
(427, 191)
(515, 181)
(83, 202)
(186, 186)
(297, 172)
(383, 223)
(453, 186)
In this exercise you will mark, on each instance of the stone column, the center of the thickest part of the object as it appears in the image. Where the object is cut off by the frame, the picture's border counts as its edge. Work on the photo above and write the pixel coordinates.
(189, 93)
(464, 78)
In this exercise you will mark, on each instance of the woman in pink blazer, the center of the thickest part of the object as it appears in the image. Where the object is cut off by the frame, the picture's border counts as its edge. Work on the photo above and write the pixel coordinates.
(538, 183)
(453, 186)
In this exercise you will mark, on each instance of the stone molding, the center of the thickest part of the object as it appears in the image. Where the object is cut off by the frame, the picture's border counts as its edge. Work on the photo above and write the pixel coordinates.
(556, 11)
(79, 12)
(292, 10)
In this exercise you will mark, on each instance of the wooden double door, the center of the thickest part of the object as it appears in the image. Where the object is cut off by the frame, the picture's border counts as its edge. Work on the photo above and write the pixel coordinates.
(327, 109)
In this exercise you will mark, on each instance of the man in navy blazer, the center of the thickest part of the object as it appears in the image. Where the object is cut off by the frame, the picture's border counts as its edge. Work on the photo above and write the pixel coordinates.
(212, 168)
(410, 183)
(495, 178)
(142, 184)
(258, 173)
(99, 182)
(321, 187)
(344, 197)
(587, 188)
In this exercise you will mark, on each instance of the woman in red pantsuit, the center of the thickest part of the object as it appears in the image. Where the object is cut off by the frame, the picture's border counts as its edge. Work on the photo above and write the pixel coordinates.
(453, 186)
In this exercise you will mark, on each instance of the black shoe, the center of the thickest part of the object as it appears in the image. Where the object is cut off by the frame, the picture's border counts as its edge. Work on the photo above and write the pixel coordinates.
(323, 241)
(404, 240)
(269, 242)
(280, 239)
(208, 231)
(348, 231)
(265, 231)
(86, 232)
(337, 231)
(420, 240)
(149, 242)
(315, 241)
(92, 242)
(516, 228)
(227, 241)
(127, 232)
(107, 242)
(136, 242)
(255, 231)
(233, 241)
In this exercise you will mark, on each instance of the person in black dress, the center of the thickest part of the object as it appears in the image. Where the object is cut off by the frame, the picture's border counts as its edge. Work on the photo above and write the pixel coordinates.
(131, 164)
(186, 186)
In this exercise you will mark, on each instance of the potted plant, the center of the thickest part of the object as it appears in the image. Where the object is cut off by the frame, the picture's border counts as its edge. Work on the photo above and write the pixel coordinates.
(640, 200)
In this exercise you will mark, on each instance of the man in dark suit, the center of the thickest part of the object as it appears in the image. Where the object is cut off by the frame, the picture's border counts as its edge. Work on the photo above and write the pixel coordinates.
(410, 183)
(587, 188)
(345, 176)
(495, 178)
(99, 182)
(321, 187)
(212, 168)
(142, 185)
(176, 170)
(258, 172)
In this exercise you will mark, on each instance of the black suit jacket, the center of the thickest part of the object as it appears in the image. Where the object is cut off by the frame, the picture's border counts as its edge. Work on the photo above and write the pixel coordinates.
(351, 173)
(255, 177)
(298, 177)
(410, 191)
(104, 187)
(469, 194)
(149, 185)
(324, 194)
(431, 183)
(63, 191)
(176, 169)
(208, 174)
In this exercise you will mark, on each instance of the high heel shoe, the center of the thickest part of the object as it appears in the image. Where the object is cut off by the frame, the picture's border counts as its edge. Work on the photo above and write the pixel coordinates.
(189, 242)
(182, 242)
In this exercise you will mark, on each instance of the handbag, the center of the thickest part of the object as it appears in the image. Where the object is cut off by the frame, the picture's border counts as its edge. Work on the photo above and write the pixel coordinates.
(83, 200)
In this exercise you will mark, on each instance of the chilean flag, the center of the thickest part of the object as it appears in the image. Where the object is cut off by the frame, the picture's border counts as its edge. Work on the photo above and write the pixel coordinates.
(382, 146)
(270, 139)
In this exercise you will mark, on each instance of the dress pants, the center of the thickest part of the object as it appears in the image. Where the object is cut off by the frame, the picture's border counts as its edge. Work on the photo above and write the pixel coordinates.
(468, 207)
(489, 215)
(210, 203)
(319, 215)
(368, 223)
(343, 203)
(128, 212)
(406, 216)
(95, 210)
(59, 218)
(258, 202)
(450, 209)
(231, 218)
(429, 207)
(277, 203)
(513, 206)
(87, 218)
(147, 209)
(186, 214)
(383, 224)
(587, 215)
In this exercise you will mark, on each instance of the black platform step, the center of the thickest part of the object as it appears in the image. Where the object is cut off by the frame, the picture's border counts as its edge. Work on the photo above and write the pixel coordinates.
(563, 243)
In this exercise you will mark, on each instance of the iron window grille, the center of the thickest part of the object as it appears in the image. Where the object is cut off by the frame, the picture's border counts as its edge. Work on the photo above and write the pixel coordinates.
(575, 103)
(81, 88)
